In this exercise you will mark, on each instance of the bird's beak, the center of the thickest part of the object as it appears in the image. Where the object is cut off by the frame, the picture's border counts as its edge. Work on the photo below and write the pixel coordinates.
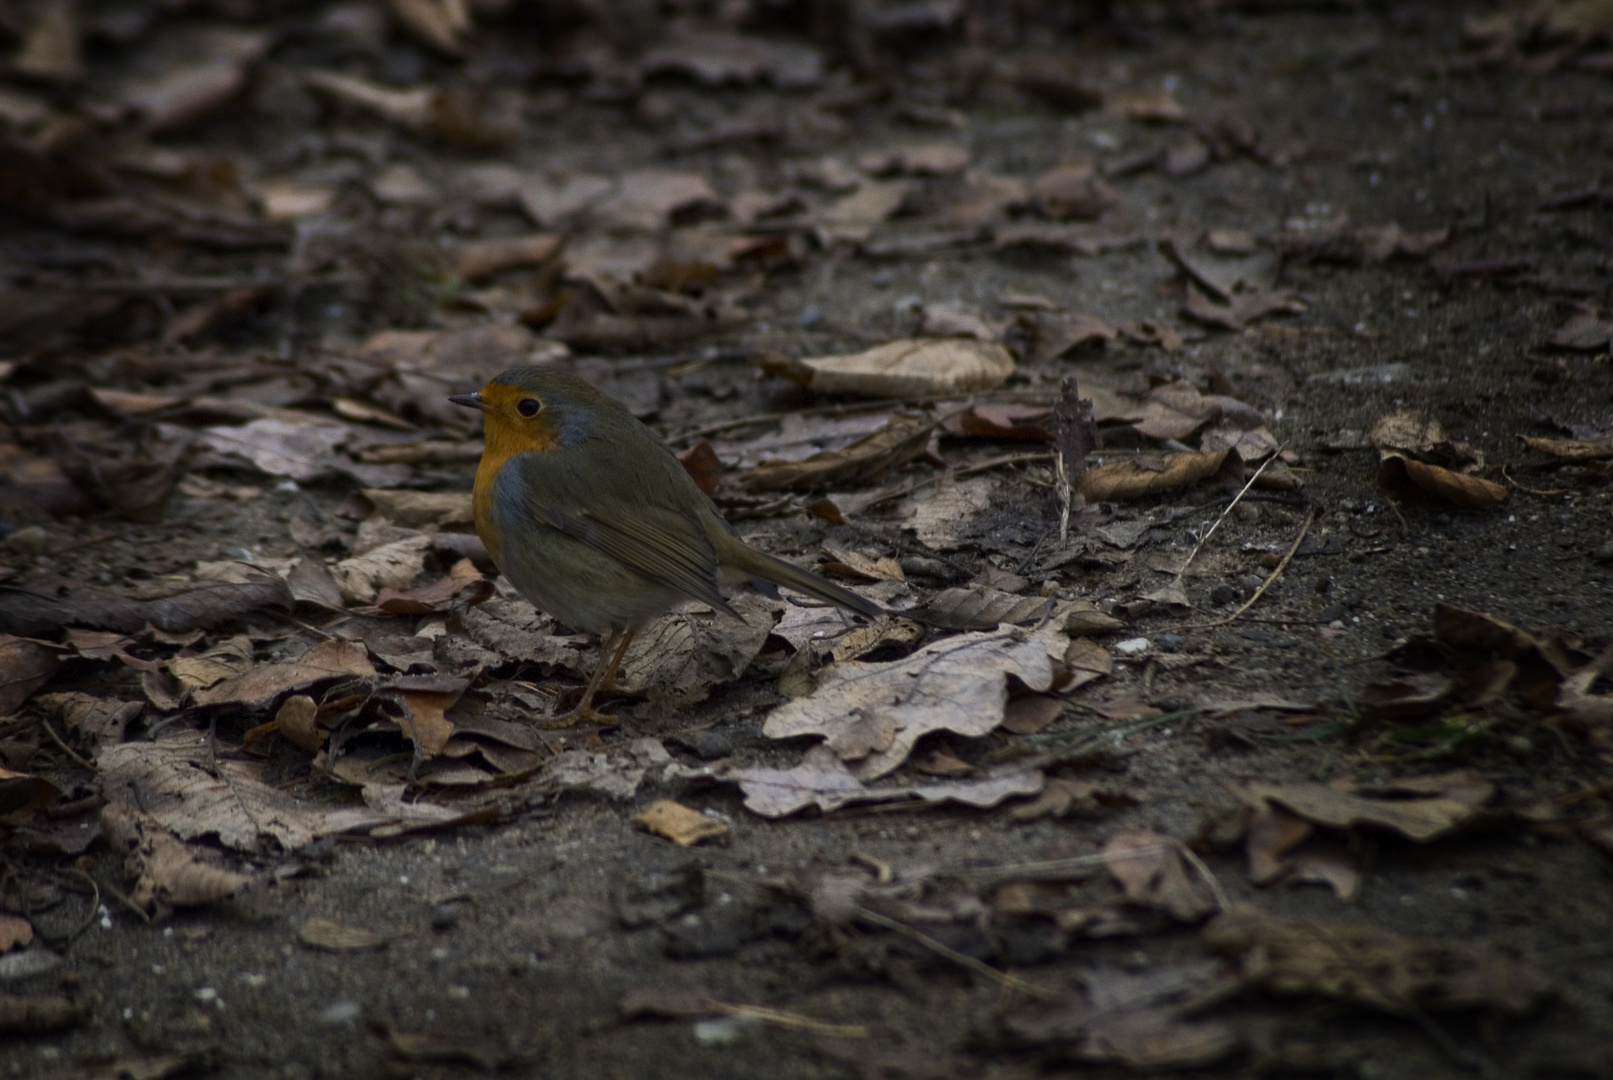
(473, 401)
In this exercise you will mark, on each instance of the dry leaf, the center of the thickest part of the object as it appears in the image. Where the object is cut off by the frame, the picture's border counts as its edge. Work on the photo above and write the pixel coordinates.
(1061, 798)
(393, 566)
(979, 608)
(21, 793)
(874, 713)
(1031, 714)
(914, 368)
(1153, 872)
(864, 461)
(1414, 449)
(50, 604)
(480, 259)
(939, 515)
(677, 659)
(647, 199)
(332, 936)
(1072, 191)
(1366, 966)
(460, 117)
(678, 823)
(445, 25)
(853, 217)
(1052, 335)
(181, 783)
(1122, 480)
(1599, 448)
(51, 50)
(859, 567)
(15, 931)
(25, 666)
(822, 780)
(1426, 809)
(260, 686)
(165, 871)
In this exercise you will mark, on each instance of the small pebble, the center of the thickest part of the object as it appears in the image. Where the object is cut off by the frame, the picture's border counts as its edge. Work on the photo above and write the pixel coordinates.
(1170, 642)
(30, 539)
(1223, 595)
(1133, 646)
(1603, 554)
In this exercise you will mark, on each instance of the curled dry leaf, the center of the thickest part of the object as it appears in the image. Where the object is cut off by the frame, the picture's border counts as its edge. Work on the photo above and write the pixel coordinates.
(1360, 964)
(822, 780)
(1239, 309)
(166, 872)
(1422, 809)
(702, 464)
(860, 567)
(260, 686)
(1052, 335)
(979, 608)
(678, 823)
(15, 931)
(463, 585)
(1599, 448)
(1152, 871)
(678, 658)
(454, 116)
(874, 713)
(50, 604)
(864, 461)
(1122, 480)
(51, 50)
(480, 259)
(912, 368)
(296, 721)
(393, 567)
(1415, 450)
(1072, 191)
(21, 792)
(853, 217)
(331, 936)
(1062, 797)
(417, 509)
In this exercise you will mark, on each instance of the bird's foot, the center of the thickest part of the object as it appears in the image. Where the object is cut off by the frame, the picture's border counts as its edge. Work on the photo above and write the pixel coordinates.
(582, 714)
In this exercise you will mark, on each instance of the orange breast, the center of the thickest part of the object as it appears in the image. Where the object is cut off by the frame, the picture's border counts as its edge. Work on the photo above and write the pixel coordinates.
(506, 438)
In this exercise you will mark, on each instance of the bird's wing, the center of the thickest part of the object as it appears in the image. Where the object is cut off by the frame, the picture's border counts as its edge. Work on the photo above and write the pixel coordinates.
(631, 525)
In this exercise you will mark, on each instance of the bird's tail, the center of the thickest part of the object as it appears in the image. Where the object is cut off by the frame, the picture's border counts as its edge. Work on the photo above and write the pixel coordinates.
(753, 563)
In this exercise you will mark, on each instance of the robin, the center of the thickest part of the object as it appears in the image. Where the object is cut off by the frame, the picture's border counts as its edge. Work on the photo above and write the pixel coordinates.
(594, 519)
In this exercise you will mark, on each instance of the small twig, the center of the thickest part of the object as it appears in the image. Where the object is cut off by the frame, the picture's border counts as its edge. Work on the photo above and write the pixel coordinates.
(126, 902)
(793, 1021)
(68, 750)
(1275, 574)
(979, 967)
(1235, 501)
(1546, 493)
(95, 904)
(957, 474)
(1208, 875)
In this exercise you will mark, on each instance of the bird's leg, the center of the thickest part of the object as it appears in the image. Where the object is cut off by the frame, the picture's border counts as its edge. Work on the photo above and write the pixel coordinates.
(616, 659)
(611, 648)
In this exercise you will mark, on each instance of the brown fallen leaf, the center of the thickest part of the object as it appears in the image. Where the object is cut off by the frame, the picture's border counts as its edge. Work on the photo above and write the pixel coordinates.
(1062, 797)
(25, 666)
(679, 658)
(1367, 966)
(218, 73)
(1415, 451)
(914, 368)
(48, 605)
(262, 685)
(166, 872)
(179, 781)
(903, 439)
(1122, 480)
(24, 1015)
(1152, 872)
(822, 780)
(391, 566)
(979, 608)
(457, 116)
(718, 58)
(1421, 809)
(425, 700)
(1061, 81)
(1085, 661)
(701, 462)
(1052, 335)
(1031, 714)
(859, 567)
(1599, 448)
(445, 25)
(678, 823)
(318, 932)
(51, 50)
(1239, 309)
(477, 260)
(1153, 107)
(872, 714)
(15, 931)
(21, 792)
(1072, 191)
(463, 585)
(853, 217)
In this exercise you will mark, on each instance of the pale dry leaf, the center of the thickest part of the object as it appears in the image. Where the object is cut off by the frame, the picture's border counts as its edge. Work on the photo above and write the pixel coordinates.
(680, 824)
(25, 666)
(1152, 871)
(181, 783)
(164, 870)
(15, 931)
(278, 447)
(320, 933)
(259, 686)
(1031, 714)
(939, 515)
(361, 578)
(854, 564)
(853, 217)
(1599, 448)
(51, 49)
(1367, 966)
(958, 685)
(445, 25)
(911, 368)
(295, 719)
(645, 200)
(822, 780)
(1445, 805)
(677, 659)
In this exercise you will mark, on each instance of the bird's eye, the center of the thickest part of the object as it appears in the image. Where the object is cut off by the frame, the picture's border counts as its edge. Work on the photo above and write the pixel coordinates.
(529, 406)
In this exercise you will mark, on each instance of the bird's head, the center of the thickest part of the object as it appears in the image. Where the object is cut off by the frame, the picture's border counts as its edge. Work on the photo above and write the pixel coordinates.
(530, 409)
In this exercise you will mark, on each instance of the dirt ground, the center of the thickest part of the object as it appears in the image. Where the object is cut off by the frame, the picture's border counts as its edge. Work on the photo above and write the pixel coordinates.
(166, 294)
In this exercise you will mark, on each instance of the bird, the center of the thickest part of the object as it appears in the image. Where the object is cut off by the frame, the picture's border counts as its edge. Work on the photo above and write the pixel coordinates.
(593, 518)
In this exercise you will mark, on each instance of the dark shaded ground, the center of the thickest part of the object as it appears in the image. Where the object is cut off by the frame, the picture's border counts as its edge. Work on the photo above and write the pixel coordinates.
(506, 943)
